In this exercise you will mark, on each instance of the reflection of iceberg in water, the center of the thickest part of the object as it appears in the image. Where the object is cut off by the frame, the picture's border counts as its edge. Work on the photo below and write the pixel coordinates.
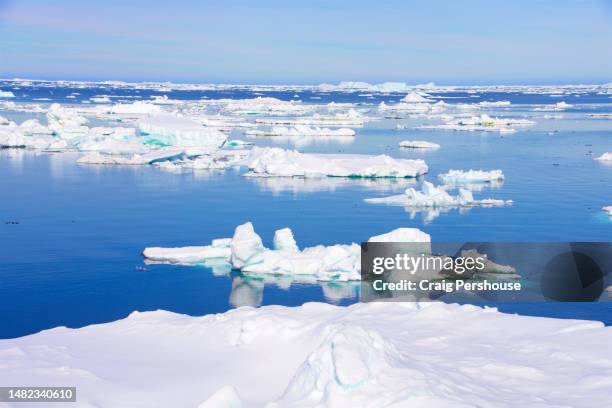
(303, 141)
(334, 292)
(297, 185)
(248, 290)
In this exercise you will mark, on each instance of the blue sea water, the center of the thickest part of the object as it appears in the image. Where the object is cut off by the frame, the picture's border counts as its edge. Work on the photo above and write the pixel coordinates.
(71, 236)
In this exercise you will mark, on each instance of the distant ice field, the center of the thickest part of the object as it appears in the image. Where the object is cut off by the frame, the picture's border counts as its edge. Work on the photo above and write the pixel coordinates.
(72, 235)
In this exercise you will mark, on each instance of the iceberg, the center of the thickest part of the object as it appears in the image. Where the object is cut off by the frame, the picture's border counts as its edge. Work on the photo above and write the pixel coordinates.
(245, 252)
(471, 176)
(65, 122)
(418, 144)
(432, 196)
(605, 157)
(268, 162)
(175, 130)
(607, 210)
(402, 354)
(6, 94)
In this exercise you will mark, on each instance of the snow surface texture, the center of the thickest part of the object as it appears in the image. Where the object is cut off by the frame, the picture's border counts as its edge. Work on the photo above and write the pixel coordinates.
(365, 355)
(432, 196)
(266, 162)
(418, 144)
(245, 251)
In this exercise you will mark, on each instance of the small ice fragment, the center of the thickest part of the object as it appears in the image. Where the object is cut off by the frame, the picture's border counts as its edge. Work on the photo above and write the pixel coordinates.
(418, 144)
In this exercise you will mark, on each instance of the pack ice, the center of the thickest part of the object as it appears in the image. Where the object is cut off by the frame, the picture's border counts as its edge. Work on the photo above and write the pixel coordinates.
(266, 162)
(399, 354)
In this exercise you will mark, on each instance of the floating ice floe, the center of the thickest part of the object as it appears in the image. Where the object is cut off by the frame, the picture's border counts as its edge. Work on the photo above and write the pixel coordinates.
(482, 123)
(599, 115)
(138, 107)
(161, 154)
(6, 94)
(418, 144)
(559, 106)
(65, 122)
(302, 130)
(402, 354)
(471, 176)
(605, 157)
(267, 162)
(261, 106)
(100, 99)
(245, 251)
(175, 130)
(494, 104)
(414, 103)
(432, 196)
(351, 118)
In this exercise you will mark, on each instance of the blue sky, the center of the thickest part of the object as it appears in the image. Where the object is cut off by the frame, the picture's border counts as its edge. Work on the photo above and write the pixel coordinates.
(241, 41)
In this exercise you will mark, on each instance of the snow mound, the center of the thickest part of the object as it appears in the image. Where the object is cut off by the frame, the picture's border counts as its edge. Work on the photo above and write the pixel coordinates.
(367, 354)
(266, 162)
(418, 144)
(432, 196)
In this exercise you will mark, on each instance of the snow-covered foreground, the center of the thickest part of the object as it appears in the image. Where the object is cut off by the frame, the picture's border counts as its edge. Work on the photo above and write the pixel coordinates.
(364, 355)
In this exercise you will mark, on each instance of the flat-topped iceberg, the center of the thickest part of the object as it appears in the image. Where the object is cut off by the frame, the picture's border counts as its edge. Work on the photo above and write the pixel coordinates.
(418, 144)
(400, 354)
(471, 176)
(175, 130)
(6, 94)
(302, 130)
(432, 196)
(245, 251)
(161, 154)
(268, 162)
